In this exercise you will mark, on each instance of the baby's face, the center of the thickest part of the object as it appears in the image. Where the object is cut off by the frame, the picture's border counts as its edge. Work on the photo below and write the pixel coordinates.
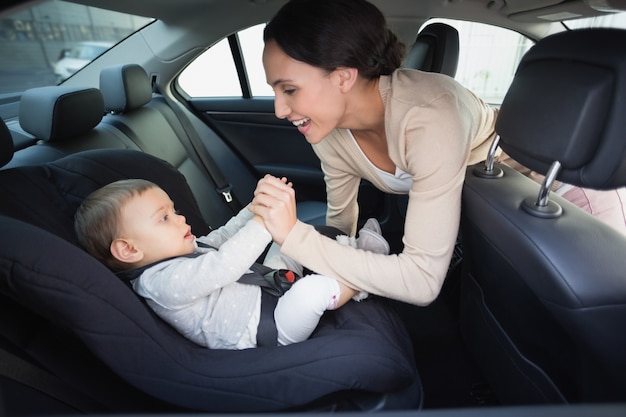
(150, 222)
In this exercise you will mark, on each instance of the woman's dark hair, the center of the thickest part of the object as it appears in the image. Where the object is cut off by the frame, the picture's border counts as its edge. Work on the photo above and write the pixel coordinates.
(329, 34)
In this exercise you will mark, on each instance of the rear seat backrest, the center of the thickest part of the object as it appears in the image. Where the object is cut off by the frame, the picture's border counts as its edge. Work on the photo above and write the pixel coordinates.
(64, 120)
(130, 107)
(124, 114)
(153, 125)
(126, 90)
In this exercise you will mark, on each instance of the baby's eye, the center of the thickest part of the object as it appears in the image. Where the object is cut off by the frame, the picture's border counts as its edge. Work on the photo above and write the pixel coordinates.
(164, 218)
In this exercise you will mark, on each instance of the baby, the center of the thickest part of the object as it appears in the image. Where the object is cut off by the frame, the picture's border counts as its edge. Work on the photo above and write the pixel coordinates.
(193, 283)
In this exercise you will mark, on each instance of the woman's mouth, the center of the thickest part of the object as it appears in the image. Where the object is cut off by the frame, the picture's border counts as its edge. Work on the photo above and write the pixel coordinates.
(302, 124)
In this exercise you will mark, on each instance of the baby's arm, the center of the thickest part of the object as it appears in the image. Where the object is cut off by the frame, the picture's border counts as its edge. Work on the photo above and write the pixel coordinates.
(259, 219)
(218, 236)
(183, 281)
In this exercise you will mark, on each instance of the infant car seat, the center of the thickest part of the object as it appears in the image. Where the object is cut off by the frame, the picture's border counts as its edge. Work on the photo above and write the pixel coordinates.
(89, 332)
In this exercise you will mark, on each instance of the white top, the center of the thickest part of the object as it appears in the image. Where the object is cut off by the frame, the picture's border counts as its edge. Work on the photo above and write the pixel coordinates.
(400, 182)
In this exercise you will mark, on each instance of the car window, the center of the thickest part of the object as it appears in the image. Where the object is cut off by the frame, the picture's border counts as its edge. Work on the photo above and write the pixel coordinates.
(213, 74)
(51, 40)
(252, 47)
(488, 57)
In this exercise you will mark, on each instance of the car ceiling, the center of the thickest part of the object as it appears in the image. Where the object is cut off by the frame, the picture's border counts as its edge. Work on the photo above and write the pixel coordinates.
(515, 9)
(530, 17)
(187, 27)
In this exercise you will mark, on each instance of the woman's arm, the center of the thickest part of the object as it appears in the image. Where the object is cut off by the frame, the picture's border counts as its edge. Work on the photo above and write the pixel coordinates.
(415, 275)
(435, 146)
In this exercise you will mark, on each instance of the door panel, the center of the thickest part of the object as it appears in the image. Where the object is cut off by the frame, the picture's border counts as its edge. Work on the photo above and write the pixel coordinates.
(267, 144)
(271, 145)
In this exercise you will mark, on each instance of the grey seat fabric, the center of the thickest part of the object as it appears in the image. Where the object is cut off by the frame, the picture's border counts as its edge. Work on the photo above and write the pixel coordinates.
(60, 113)
(152, 124)
(543, 287)
(436, 49)
(125, 88)
(64, 120)
(131, 107)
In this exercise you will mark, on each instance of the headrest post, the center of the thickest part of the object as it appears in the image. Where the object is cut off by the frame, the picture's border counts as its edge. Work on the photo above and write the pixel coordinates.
(489, 171)
(542, 207)
(544, 192)
(491, 156)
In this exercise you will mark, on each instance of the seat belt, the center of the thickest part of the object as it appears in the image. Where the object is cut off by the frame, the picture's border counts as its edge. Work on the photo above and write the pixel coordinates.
(223, 187)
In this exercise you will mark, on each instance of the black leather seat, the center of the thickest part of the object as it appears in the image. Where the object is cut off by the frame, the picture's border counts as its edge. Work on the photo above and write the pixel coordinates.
(544, 283)
(436, 49)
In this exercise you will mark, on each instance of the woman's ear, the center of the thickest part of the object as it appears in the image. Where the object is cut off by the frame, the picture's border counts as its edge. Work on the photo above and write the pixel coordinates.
(124, 251)
(347, 78)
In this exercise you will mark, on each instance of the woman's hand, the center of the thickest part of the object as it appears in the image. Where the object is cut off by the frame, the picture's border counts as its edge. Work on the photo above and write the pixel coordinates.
(275, 201)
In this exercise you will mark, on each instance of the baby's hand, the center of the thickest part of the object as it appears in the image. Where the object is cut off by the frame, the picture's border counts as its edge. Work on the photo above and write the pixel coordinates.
(275, 201)
(284, 181)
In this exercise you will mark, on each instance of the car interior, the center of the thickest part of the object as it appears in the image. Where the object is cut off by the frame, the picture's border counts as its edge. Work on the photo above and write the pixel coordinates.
(527, 292)
(531, 313)
(118, 327)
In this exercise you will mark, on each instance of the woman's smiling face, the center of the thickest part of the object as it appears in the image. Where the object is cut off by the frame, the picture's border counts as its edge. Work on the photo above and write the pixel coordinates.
(308, 96)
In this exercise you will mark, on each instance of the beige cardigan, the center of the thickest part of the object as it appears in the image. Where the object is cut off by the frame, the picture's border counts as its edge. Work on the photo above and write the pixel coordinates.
(435, 128)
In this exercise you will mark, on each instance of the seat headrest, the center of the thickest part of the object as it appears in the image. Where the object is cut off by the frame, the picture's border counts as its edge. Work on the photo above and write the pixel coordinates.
(566, 104)
(125, 87)
(436, 49)
(58, 113)
(6, 144)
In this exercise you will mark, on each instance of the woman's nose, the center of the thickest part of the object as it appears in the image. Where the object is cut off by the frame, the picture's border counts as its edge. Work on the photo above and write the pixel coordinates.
(281, 109)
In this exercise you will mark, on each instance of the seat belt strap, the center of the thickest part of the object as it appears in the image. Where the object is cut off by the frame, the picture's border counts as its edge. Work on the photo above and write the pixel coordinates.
(223, 187)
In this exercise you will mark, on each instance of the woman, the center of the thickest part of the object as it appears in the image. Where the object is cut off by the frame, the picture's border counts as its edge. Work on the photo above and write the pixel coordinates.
(334, 67)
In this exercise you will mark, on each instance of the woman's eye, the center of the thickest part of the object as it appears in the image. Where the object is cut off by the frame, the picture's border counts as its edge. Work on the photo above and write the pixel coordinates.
(289, 91)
